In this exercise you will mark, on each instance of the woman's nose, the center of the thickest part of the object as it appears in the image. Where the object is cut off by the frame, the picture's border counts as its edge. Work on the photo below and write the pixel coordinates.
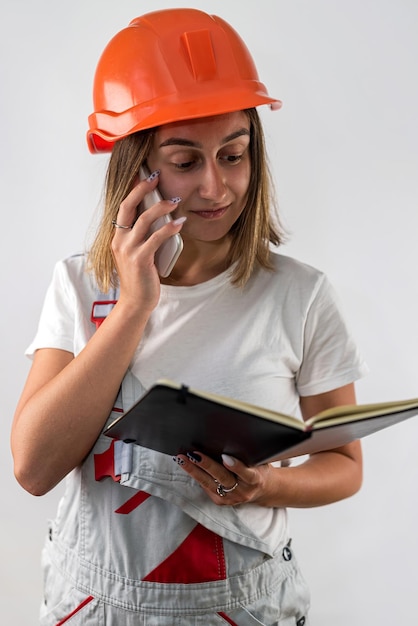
(212, 185)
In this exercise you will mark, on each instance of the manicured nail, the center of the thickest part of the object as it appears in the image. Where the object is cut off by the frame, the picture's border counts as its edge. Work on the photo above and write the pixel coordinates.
(178, 460)
(152, 176)
(175, 200)
(228, 460)
(194, 457)
(179, 220)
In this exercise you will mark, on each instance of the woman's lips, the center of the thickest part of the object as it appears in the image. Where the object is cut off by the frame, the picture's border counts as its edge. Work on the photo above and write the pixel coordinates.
(211, 214)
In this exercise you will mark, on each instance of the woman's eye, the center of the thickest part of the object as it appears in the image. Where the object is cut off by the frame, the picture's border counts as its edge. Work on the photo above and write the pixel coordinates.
(184, 166)
(232, 158)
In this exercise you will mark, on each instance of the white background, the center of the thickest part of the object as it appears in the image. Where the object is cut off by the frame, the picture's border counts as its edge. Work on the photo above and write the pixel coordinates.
(344, 151)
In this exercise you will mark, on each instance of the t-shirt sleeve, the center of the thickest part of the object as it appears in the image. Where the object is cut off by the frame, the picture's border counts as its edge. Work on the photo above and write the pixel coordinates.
(56, 323)
(331, 358)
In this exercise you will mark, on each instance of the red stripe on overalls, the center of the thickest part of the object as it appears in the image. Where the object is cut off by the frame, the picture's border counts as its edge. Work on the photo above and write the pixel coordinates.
(76, 610)
(133, 502)
(199, 559)
(227, 619)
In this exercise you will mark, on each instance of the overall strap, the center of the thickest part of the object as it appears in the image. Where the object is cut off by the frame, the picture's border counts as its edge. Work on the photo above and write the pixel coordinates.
(103, 305)
(119, 455)
(131, 389)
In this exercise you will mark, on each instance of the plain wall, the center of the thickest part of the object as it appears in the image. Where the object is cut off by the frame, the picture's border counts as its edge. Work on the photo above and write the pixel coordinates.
(345, 159)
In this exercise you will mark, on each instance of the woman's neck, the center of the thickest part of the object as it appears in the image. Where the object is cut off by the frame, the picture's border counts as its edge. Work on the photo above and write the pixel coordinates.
(199, 262)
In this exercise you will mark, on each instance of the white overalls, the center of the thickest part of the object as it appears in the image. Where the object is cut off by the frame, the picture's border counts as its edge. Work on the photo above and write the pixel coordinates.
(137, 542)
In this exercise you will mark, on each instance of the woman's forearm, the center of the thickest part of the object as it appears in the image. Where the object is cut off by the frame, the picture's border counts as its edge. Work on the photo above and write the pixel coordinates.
(67, 400)
(324, 478)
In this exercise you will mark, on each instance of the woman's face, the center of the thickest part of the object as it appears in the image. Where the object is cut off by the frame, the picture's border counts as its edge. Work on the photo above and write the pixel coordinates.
(207, 163)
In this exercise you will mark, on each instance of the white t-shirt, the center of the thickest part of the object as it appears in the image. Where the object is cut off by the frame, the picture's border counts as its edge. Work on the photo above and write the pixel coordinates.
(281, 337)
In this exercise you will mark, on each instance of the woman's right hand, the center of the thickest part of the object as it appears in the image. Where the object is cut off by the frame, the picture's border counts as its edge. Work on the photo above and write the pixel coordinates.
(67, 398)
(134, 251)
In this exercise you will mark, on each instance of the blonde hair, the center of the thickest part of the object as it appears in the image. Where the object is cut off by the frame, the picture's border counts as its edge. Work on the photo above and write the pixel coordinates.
(251, 234)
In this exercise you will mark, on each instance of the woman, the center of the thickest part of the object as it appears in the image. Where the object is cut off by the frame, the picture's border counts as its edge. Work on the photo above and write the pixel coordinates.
(138, 538)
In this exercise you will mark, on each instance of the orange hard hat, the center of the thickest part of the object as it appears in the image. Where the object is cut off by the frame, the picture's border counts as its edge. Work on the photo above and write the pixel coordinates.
(171, 65)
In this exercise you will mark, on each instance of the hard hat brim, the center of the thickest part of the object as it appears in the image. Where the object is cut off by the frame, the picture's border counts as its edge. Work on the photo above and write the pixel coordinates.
(168, 110)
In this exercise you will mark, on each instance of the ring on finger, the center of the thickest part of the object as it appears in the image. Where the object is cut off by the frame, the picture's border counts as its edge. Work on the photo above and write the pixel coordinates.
(116, 225)
(222, 491)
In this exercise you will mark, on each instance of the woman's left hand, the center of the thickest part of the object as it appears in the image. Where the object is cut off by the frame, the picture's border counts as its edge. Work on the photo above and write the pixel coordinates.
(231, 483)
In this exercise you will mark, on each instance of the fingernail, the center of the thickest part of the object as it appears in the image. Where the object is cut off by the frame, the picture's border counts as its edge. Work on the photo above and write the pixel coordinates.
(178, 460)
(175, 200)
(152, 176)
(228, 460)
(194, 456)
(179, 220)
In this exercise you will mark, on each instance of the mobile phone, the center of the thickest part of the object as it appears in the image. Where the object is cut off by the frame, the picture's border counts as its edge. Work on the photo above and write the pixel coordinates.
(168, 253)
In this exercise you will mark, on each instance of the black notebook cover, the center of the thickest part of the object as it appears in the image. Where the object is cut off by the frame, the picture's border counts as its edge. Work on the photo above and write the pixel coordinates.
(175, 421)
